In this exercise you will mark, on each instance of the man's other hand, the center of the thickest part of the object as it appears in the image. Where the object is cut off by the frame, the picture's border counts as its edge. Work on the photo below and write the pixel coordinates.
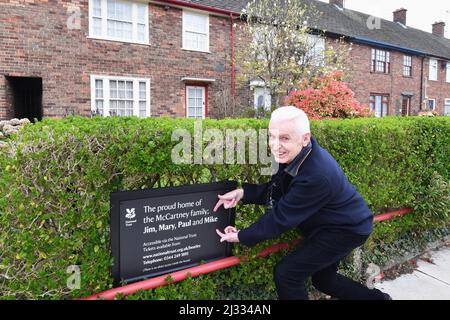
(230, 199)
(230, 235)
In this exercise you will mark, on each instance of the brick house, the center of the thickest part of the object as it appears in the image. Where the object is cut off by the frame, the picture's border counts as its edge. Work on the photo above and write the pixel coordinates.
(171, 57)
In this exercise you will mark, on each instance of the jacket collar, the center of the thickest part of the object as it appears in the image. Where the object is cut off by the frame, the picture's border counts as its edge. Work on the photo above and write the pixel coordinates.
(293, 168)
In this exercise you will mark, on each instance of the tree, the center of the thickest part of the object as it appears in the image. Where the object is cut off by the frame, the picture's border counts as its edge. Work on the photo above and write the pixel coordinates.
(327, 97)
(282, 49)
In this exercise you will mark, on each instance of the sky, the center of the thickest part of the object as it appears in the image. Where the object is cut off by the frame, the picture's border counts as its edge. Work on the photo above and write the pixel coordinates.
(421, 14)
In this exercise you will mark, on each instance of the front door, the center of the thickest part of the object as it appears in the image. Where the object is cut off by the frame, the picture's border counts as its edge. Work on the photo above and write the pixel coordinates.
(195, 102)
(406, 106)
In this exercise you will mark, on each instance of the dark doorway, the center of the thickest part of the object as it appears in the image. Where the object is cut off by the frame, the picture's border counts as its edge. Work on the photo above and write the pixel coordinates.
(27, 97)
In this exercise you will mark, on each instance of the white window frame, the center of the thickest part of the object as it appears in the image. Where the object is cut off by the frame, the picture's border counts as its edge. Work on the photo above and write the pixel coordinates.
(204, 101)
(447, 107)
(184, 47)
(106, 93)
(104, 21)
(448, 72)
(433, 74)
(434, 104)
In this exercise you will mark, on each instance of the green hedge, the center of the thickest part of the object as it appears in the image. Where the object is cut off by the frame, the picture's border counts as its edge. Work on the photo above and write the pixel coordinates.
(57, 175)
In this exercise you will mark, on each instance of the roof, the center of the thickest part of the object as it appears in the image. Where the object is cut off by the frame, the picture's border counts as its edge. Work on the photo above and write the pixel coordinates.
(353, 24)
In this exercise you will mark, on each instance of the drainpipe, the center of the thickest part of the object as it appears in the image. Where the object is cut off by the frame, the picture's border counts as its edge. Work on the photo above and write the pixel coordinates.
(421, 85)
(232, 55)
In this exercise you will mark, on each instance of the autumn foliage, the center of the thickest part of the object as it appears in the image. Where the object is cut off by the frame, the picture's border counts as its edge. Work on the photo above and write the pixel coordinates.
(327, 97)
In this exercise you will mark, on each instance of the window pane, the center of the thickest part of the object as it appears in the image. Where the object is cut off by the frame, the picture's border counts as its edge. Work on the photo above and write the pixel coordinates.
(196, 23)
(141, 10)
(129, 94)
(142, 91)
(141, 32)
(129, 85)
(97, 10)
(142, 108)
(433, 69)
(113, 89)
(99, 89)
(118, 29)
(113, 105)
(119, 10)
(378, 106)
(129, 105)
(121, 94)
(99, 106)
(97, 26)
(190, 40)
(448, 72)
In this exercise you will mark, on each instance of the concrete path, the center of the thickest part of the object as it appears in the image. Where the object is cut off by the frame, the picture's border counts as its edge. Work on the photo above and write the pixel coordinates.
(429, 281)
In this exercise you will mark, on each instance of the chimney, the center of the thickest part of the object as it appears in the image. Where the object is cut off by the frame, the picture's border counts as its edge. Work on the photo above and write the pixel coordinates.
(339, 3)
(400, 16)
(439, 29)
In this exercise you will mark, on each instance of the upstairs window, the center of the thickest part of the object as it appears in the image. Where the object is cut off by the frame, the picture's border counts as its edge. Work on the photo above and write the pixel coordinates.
(118, 20)
(448, 72)
(433, 69)
(407, 66)
(380, 61)
(195, 31)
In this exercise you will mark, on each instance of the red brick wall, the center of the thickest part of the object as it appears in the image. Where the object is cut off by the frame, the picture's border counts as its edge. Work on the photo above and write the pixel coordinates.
(5, 100)
(364, 82)
(36, 42)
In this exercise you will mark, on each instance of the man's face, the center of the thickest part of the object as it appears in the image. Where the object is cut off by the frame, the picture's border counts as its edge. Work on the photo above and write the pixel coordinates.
(285, 141)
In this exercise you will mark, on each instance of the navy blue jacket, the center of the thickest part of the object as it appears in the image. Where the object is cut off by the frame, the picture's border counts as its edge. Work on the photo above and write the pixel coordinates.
(310, 193)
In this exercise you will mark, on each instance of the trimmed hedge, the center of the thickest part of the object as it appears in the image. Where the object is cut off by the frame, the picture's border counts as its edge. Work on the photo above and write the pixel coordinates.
(57, 175)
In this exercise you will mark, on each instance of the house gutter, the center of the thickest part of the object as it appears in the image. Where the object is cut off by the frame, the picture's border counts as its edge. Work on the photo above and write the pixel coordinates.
(213, 266)
(199, 7)
(367, 41)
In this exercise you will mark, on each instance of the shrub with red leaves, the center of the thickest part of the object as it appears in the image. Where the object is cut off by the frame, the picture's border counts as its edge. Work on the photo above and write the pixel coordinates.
(328, 97)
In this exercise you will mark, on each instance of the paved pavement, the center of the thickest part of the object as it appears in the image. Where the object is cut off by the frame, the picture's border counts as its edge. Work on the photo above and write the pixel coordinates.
(429, 281)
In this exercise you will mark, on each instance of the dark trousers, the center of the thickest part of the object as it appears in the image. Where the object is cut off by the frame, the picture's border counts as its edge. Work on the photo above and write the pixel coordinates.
(319, 257)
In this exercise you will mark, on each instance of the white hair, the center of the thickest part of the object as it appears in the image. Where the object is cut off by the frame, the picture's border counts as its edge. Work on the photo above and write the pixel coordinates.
(292, 113)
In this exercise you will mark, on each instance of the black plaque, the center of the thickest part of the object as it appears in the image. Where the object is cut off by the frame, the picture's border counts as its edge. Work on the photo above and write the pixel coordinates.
(157, 231)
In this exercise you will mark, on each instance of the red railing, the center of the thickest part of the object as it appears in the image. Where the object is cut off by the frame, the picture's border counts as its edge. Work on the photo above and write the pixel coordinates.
(213, 266)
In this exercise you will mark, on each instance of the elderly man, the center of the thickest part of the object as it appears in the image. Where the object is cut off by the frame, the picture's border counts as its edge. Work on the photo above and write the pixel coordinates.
(310, 192)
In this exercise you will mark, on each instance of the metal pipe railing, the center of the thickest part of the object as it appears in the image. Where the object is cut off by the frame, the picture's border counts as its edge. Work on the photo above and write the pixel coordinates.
(213, 266)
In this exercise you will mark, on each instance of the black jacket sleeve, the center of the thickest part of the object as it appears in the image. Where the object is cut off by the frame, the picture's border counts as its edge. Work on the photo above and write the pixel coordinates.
(304, 198)
(255, 193)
